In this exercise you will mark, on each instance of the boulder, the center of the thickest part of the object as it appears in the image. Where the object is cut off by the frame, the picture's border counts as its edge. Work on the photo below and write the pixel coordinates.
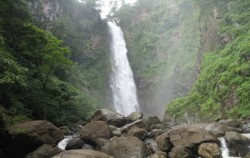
(220, 129)
(137, 123)
(65, 130)
(134, 116)
(237, 144)
(190, 137)
(158, 154)
(209, 150)
(93, 130)
(82, 153)
(180, 152)
(42, 131)
(126, 147)
(157, 126)
(110, 117)
(163, 142)
(115, 130)
(152, 120)
(231, 123)
(248, 155)
(137, 132)
(44, 151)
(154, 133)
(75, 143)
(25, 137)
(100, 143)
(151, 144)
(88, 147)
(246, 128)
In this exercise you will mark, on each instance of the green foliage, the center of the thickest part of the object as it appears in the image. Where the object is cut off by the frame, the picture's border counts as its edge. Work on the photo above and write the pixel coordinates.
(222, 89)
(46, 75)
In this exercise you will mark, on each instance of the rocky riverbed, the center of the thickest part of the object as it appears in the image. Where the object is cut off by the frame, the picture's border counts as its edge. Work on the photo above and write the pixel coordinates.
(110, 135)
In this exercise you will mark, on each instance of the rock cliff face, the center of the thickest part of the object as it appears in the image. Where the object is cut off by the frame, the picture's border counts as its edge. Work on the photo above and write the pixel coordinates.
(46, 10)
(166, 46)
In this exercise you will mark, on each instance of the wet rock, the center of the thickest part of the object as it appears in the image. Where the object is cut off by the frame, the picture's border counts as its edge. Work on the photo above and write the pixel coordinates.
(163, 142)
(82, 153)
(134, 116)
(110, 117)
(137, 123)
(190, 137)
(180, 152)
(75, 143)
(115, 130)
(42, 131)
(137, 132)
(158, 154)
(126, 147)
(100, 143)
(237, 144)
(88, 147)
(44, 151)
(220, 129)
(246, 128)
(65, 130)
(231, 123)
(248, 155)
(25, 137)
(216, 129)
(154, 133)
(93, 130)
(152, 120)
(209, 150)
(151, 144)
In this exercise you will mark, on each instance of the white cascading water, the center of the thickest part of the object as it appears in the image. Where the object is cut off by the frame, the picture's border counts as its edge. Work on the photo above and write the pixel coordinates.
(225, 150)
(122, 82)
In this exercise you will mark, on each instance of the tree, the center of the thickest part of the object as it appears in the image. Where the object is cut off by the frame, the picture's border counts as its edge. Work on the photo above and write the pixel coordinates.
(45, 52)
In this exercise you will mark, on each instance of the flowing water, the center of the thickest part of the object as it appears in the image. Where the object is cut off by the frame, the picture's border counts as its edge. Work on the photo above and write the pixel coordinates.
(63, 143)
(225, 150)
(122, 82)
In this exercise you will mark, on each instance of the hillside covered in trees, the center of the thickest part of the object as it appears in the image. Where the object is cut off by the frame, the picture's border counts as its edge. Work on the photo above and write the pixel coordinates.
(196, 51)
(53, 61)
(189, 57)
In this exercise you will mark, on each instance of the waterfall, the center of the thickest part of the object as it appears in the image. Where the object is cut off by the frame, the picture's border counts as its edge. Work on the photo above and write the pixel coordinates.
(224, 149)
(122, 82)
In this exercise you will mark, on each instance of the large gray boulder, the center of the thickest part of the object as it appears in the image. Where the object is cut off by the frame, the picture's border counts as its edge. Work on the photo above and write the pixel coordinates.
(75, 143)
(25, 137)
(221, 128)
(246, 128)
(137, 132)
(95, 129)
(40, 131)
(152, 120)
(190, 137)
(82, 153)
(231, 123)
(134, 117)
(181, 152)
(158, 154)
(44, 151)
(209, 150)
(110, 117)
(126, 147)
(163, 142)
(237, 144)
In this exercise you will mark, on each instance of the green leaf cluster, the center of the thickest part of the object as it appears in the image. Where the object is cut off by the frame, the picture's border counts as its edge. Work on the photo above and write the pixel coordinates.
(222, 88)
(50, 72)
